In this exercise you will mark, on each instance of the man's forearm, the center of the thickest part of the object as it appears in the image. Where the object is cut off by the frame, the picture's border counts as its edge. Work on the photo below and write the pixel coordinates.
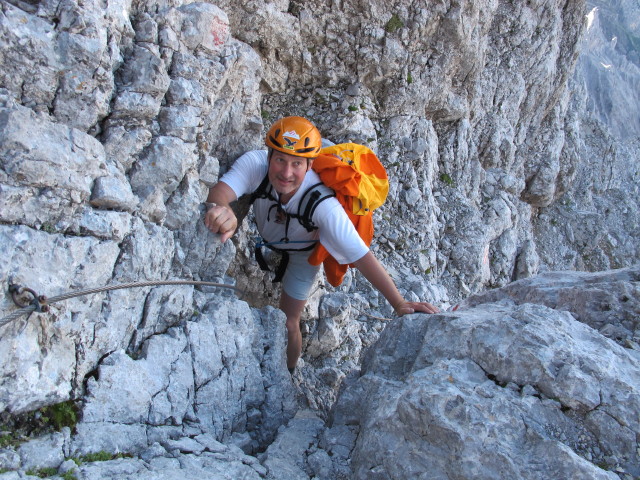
(373, 271)
(221, 194)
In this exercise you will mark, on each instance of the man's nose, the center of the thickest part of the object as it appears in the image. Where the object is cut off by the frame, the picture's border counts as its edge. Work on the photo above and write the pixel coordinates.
(287, 169)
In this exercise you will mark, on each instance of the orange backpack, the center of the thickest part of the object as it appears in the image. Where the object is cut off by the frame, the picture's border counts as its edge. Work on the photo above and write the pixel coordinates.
(361, 185)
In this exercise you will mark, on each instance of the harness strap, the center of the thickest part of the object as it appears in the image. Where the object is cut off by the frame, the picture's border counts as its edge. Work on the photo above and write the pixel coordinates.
(311, 198)
(282, 265)
(264, 266)
(260, 259)
(262, 191)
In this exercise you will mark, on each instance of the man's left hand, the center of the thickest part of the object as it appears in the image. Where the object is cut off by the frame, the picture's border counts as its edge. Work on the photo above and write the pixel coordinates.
(413, 307)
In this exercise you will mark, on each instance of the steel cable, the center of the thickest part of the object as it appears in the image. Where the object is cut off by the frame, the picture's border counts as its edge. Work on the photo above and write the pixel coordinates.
(39, 301)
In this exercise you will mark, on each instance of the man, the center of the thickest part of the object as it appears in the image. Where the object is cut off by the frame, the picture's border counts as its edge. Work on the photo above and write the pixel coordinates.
(293, 143)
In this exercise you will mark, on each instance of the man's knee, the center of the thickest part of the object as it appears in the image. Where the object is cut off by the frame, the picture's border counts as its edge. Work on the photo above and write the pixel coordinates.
(293, 323)
(291, 307)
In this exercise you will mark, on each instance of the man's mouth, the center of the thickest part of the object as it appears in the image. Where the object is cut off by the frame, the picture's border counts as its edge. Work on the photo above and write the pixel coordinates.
(284, 182)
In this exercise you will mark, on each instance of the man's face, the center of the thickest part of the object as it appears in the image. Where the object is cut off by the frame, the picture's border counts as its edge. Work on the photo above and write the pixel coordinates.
(286, 172)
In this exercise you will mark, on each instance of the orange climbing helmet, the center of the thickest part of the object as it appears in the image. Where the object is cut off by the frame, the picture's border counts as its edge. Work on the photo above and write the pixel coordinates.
(295, 136)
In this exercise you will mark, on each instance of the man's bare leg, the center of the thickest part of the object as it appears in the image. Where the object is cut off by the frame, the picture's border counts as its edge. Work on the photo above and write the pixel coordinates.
(292, 308)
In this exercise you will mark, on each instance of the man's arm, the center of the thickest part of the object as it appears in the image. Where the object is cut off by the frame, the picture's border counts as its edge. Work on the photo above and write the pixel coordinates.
(220, 217)
(373, 271)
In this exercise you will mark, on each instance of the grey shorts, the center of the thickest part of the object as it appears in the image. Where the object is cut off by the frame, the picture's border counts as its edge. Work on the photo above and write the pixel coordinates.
(299, 277)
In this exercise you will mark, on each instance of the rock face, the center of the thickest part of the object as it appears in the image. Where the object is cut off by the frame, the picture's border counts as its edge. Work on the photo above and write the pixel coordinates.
(509, 388)
(591, 225)
(510, 134)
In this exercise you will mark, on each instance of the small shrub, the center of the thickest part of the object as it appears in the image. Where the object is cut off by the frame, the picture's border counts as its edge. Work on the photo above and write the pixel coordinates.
(394, 24)
(47, 227)
(6, 440)
(446, 178)
(43, 472)
(101, 456)
(16, 429)
(60, 415)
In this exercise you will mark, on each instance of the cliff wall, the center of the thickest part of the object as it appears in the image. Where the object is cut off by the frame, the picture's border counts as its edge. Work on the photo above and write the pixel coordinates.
(510, 133)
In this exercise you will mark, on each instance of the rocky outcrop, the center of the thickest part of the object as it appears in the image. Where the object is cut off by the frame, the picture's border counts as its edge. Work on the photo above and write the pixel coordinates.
(116, 117)
(606, 301)
(508, 388)
(512, 384)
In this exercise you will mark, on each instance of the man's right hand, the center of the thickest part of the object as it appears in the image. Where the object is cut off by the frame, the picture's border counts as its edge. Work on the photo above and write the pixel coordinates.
(221, 220)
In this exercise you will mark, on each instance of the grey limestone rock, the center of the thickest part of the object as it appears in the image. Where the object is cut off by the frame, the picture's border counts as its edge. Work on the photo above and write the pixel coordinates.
(430, 375)
(509, 132)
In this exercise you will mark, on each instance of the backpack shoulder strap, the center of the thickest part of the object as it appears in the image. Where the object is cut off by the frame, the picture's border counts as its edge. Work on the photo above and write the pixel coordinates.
(263, 191)
(310, 200)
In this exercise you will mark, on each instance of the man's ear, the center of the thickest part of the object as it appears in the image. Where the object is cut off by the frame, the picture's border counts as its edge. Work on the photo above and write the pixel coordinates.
(309, 163)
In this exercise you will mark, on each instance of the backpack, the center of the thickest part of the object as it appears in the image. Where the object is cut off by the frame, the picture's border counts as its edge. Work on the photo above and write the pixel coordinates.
(354, 175)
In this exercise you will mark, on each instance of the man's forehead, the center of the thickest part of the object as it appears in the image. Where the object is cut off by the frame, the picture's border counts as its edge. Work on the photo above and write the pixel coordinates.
(287, 156)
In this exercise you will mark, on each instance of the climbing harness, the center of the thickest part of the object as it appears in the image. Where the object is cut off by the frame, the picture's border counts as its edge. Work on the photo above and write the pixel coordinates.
(40, 303)
(281, 268)
(310, 200)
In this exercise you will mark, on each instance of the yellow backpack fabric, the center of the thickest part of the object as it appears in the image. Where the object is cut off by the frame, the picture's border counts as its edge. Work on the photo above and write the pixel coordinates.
(366, 182)
(361, 185)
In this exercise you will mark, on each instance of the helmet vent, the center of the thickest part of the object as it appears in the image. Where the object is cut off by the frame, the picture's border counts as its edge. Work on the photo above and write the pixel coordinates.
(275, 142)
